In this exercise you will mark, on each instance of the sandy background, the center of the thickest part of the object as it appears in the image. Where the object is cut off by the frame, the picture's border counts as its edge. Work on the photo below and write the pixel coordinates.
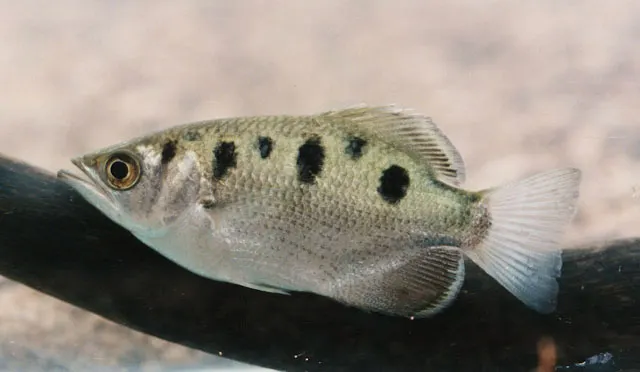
(518, 87)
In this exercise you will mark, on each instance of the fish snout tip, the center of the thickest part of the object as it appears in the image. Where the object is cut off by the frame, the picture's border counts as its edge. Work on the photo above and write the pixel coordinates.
(77, 161)
(63, 174)
(66, 174)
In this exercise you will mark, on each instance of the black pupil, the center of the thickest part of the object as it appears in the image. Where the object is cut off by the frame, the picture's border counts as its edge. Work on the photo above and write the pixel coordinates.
(119, 170)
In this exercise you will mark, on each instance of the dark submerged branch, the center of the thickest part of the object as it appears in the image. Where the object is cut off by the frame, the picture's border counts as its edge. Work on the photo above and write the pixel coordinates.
(53, 241)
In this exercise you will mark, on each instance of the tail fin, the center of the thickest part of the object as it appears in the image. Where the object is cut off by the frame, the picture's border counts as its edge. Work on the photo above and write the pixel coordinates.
(521, 249)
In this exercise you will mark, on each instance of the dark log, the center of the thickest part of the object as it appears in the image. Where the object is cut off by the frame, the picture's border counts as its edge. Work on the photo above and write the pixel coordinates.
(55, 242)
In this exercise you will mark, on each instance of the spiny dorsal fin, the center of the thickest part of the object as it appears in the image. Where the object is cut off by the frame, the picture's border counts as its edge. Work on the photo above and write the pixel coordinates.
(410, 131)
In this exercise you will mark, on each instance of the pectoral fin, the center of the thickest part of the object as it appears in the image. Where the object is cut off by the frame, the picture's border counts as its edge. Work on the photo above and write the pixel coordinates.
(417, 284)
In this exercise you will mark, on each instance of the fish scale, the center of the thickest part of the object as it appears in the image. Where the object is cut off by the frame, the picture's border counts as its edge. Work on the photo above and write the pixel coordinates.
(363, 205)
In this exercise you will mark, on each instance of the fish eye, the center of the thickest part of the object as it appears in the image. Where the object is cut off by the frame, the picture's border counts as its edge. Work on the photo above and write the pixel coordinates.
(123, 171)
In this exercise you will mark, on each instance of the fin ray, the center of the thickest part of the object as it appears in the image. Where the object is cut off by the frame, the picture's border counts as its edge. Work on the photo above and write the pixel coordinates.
(521, 249)
(265, 288)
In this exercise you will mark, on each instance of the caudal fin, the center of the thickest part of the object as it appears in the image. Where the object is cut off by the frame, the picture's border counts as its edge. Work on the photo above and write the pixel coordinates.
(521, 249)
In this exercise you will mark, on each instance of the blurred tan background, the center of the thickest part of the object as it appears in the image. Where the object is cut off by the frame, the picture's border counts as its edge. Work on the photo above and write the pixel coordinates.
(518, 87)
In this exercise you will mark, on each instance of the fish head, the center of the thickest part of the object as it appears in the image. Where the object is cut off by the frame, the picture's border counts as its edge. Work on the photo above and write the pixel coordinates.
(136, 185)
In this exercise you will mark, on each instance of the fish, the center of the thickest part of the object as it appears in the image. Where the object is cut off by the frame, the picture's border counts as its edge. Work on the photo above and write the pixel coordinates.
(362, 204)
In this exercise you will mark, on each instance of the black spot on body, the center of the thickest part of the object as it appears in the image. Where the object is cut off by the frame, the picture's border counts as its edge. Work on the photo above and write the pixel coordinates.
(310, 160)
(168, 152)
(394, 183)
(354, 148)
(208, 204)
(191, 135)
(265, 145)
(225, 159)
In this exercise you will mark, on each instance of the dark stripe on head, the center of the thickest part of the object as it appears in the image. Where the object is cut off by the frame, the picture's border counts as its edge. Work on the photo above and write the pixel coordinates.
(225, 158)
(354, 147)
(168, 152)
(265, 145)
(394, 183)
(310, 160)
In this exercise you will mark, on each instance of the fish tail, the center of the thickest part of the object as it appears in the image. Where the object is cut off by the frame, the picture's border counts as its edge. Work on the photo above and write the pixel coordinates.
(521, 247)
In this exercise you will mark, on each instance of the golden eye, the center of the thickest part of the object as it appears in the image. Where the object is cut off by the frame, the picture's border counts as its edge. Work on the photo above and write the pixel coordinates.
(123, 171)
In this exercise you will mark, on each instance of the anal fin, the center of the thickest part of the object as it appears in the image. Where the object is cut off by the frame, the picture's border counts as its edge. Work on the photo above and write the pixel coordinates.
(418, 283)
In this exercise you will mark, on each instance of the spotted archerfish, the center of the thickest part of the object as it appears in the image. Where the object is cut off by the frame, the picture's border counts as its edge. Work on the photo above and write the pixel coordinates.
(363, 205)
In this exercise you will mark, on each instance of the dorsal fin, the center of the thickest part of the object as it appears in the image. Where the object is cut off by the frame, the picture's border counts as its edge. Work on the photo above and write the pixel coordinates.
(411, 132)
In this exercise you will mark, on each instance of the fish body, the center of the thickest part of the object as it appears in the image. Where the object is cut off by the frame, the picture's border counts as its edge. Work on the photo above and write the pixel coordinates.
(363, 205)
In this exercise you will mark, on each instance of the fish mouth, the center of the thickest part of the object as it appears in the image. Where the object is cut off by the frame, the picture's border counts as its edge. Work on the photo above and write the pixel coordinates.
(87, 186)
